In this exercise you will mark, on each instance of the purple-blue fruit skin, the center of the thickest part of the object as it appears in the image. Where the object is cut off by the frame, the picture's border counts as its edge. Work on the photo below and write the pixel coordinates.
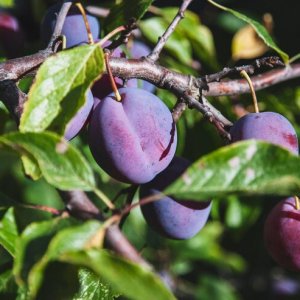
(79, 120)
(11, 35)
(281, 234)
(138, 50)
(172, 218)
(135, 139)
(74, 27)
(268, 126)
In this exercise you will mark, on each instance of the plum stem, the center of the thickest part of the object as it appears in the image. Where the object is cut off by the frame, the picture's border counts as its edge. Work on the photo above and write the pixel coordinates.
(111, 34)
(87, 25)
(246, 76)
(142, 202)
(297, 203)
(104, 198)
(111, 78)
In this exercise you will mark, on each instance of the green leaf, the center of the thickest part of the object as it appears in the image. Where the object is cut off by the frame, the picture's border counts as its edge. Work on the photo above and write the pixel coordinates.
(259, 28)
(200, 37)
(121, 13)
(71, 239)
(94, 288)
(132, 280)
(61, 82)
(61, 164)
(245, 168)
(31, 167)
(33, 243)
(7, 3)
(9, 232)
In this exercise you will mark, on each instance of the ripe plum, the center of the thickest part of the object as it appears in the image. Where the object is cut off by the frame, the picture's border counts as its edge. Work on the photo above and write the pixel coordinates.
(168, 216)
(135, 139)
(74, 27)
(281, 234)
(79, 120)
(11, 35)
(267, 126)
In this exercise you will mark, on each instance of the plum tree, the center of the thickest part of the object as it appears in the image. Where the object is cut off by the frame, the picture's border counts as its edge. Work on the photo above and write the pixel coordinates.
(74, 27)
(135, 139)
(11, 35)
(168, 216)
(79, 120)
(268, 126)
(281, 234)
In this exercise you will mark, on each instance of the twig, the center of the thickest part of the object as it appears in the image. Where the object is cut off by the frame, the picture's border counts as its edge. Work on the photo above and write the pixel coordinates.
(154, 55)
(267, 62)
(186, 87)
(262, 81)
(80, 206)
(61, 19)
(178, 109)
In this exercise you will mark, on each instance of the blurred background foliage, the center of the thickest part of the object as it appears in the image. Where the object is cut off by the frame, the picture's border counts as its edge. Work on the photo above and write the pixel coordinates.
(227, 259)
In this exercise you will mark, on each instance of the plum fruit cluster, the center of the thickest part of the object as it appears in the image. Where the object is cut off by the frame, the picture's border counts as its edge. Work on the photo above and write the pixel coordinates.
(282, 226)
(133, 139)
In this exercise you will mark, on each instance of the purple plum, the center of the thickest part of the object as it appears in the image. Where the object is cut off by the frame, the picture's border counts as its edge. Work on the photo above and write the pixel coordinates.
(74, 27)
(79, 120)
(268, 126)
(281, 234)
(135, 139)
(168, 216)
(11, 35)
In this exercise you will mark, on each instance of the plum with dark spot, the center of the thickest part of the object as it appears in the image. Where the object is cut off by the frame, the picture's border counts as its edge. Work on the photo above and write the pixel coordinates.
(281, 234)
(74, 27)
(268, 126)
(11, 35)
(79, 120)
(135, 139)
(170, 217)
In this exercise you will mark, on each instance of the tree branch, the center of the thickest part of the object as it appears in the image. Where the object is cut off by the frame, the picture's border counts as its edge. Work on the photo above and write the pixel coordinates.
(80, 206)
(240, 86)
(154, 55)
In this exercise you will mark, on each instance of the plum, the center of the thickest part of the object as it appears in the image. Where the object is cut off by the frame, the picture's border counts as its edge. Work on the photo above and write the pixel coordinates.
(74, 27)
(170, 217)
(281, 234)
(79, 120)
(268, 126)
(135, 139)
(11, 35)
